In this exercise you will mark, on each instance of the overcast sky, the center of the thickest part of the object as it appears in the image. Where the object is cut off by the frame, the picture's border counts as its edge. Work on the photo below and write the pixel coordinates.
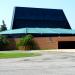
(7, 7)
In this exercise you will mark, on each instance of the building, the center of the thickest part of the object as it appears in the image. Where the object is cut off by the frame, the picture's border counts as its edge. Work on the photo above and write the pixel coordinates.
(50, 27)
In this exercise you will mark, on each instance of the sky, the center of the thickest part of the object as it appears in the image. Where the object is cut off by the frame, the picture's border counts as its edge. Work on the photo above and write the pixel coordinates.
(7, 7)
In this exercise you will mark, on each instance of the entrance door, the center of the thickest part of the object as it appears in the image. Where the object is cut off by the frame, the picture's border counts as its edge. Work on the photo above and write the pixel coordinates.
(66, 45)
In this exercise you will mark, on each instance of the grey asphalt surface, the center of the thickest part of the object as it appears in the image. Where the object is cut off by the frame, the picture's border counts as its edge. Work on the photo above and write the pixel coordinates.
(49, 63)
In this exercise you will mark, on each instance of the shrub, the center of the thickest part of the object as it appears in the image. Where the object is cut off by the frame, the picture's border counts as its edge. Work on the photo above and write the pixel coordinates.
(3, 42)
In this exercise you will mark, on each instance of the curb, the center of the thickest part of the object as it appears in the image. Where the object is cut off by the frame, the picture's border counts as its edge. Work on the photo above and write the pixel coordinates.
(51, 50)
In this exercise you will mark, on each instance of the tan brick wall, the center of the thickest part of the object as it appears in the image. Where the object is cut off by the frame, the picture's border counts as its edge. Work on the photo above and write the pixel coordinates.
(46, 42)
(52, 42)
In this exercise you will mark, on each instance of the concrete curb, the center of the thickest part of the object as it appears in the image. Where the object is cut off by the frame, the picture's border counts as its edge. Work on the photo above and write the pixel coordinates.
(55, 50)
(51, 50)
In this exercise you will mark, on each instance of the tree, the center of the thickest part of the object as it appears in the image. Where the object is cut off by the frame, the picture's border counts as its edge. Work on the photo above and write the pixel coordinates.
(3, 27)
(26, 42)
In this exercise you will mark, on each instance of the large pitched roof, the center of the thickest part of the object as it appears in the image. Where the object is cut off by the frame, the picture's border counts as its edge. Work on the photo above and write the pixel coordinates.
(24, 17)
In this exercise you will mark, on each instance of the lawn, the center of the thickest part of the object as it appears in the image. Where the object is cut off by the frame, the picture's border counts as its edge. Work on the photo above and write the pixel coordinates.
(17, 55)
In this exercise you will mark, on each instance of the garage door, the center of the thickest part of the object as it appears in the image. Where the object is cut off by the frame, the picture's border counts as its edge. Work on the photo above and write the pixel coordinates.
(66, 45)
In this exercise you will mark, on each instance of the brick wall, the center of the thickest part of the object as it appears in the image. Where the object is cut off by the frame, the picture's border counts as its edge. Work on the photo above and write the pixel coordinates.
(45, 42)
(52, 42)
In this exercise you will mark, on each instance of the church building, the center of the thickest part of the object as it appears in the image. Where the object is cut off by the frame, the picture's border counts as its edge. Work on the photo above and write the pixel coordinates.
(50, 27)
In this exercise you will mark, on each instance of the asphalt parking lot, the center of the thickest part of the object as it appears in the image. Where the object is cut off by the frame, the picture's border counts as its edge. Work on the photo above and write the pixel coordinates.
(49, 63)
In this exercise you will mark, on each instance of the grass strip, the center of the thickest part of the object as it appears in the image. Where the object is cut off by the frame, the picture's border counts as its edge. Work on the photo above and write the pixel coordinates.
(17, 55)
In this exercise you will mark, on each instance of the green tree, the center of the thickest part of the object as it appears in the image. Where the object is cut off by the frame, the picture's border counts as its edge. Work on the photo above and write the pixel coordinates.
(26, 42)
(3, 27)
